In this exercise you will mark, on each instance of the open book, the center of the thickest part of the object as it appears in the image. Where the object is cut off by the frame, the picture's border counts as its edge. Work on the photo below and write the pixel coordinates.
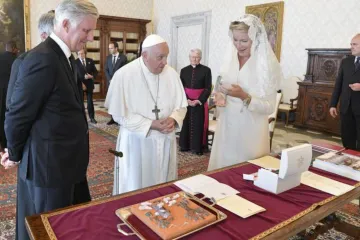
(342, 164)
(208, 186)
(222, 194)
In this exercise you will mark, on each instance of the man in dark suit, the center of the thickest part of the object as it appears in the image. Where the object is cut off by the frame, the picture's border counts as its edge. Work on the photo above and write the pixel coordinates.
(87, 72)
(114, 61)
(6, 60)
(348, 87)
(46, 126)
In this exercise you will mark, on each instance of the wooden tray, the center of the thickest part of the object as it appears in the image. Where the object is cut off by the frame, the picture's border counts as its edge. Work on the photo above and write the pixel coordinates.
(124, 214)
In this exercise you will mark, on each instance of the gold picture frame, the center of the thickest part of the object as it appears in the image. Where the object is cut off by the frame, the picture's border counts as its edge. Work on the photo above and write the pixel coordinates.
(27, 25)
(272, 16)
(15, 23)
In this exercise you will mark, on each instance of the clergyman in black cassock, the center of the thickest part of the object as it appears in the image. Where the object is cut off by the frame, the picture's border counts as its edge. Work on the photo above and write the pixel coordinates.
(196, 79)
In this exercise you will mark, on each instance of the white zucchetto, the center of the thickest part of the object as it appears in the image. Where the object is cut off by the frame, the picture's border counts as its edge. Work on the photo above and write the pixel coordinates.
(152, 40)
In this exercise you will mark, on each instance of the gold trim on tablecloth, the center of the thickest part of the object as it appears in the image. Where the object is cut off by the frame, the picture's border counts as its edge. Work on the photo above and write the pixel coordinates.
(52, 236)
(299, 215)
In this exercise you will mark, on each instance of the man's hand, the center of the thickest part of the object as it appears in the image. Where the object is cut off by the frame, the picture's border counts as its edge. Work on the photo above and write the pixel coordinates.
(333, 112)
(84, 87)
(193, 103)
(355, 86)
(5, 161)
(165, 126)
(88, 76)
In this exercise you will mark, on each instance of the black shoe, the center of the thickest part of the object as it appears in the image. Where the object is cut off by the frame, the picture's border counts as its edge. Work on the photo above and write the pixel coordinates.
(93, 120)
(184, 150)
(199, 153)
(111, 122)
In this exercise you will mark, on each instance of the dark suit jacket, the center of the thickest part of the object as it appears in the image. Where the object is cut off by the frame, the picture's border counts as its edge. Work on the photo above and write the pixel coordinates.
(6, 60)
(90, 69)
(13, 77)
(109, 70)
(347, 75)
(46, 124)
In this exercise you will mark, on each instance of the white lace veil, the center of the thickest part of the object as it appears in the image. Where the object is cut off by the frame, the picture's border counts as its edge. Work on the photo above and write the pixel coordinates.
(263, 61)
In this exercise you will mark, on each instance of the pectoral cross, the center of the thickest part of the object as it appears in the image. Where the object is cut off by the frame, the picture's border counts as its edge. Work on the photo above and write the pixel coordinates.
(156, 111)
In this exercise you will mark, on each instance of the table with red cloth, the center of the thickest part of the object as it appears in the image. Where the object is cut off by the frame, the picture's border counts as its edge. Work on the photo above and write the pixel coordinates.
(286, 213)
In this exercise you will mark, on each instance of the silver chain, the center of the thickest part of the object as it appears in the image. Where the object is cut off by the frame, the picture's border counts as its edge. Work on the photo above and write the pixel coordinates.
(147, 85)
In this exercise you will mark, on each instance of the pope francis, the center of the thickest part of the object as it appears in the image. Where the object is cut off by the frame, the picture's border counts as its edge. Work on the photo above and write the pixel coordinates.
(147, 99)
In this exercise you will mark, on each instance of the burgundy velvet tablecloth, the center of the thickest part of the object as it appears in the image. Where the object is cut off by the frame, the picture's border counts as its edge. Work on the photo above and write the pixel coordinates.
(99, 221)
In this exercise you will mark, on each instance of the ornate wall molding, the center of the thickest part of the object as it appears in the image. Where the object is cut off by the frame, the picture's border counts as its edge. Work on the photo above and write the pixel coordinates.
(200, 18)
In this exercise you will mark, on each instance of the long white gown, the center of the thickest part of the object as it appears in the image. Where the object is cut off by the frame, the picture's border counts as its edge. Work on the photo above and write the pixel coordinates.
(242, 133)
(149, 156)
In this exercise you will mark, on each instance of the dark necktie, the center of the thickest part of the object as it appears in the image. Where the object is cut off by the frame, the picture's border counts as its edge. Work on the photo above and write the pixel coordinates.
(84, 65)
(72, 62)
(114, 61)
(357, 63)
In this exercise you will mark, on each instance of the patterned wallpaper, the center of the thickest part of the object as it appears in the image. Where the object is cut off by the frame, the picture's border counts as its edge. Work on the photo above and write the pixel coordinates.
(185, 44)
(307, 24)
(120, 8)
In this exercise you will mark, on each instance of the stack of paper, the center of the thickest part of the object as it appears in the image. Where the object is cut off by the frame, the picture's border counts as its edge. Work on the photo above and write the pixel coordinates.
(325, 184)
(240, 206)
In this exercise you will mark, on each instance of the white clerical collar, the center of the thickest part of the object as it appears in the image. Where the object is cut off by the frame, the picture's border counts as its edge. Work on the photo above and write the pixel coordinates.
(194, 66)
(62, 45)
(145, 68)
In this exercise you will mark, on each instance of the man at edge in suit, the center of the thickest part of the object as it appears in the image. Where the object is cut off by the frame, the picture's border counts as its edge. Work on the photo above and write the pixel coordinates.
(114, 61)
(46, 126)
(87, 72)
(348, 87)
(45, 28)
(6, 60)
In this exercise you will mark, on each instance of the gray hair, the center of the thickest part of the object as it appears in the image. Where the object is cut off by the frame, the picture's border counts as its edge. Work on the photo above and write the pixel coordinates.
(46, 23)
(197, 51)
(74, 11)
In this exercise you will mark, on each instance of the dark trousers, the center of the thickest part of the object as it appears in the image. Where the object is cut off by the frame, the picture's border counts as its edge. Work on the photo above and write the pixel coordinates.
(3, 141)
(90, 103)
(350, 130)
(34, 200)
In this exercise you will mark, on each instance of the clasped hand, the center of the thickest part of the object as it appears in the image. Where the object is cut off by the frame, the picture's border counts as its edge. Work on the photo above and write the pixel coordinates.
(165, 126)
(355, 86)
(88, 76)
(5, 161)
(193, 103)
(234, 91)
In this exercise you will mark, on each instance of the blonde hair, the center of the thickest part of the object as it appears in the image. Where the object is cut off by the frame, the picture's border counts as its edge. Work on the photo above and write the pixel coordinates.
(236, 25)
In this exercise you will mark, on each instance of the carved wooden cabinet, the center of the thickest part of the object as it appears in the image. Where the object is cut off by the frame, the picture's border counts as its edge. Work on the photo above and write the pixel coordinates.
(127, 32)
(316, 90)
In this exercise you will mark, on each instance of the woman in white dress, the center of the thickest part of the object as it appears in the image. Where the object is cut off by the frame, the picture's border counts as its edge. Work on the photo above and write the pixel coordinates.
(246, 96)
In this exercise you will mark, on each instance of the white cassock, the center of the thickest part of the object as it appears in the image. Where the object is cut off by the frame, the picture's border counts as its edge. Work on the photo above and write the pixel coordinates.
(149, 156)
